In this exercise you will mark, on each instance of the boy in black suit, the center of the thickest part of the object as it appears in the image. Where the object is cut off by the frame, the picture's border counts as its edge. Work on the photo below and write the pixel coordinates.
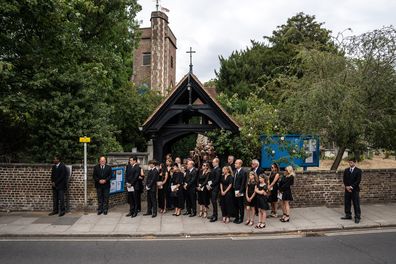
(132, 179)
(59, 185)
(351, 179)
(151, 187)
(102, 175)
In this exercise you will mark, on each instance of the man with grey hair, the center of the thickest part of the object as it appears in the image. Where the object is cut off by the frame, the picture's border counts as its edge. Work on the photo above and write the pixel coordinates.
(255, 166)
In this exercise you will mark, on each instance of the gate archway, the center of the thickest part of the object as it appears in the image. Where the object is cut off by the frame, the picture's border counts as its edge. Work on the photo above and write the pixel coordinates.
(187, 109)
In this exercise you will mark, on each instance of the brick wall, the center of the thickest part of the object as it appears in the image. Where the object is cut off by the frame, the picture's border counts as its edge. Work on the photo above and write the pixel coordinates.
(27, 187)
(326, 188)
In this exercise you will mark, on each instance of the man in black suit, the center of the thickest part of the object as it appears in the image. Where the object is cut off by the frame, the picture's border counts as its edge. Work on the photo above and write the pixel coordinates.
(102, 175)
(151, 187)
(132, 179)
(190, 187)
(255, 166)
(240, 178)
(351, 179)
(59, 185)
(215, 177)
(231, 162)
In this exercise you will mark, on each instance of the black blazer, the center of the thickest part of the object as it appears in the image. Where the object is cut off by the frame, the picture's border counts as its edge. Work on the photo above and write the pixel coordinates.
(132, 176)
(59, 176)
(152, 178)
(352, 179)
(258, 171)
(240, 181)
(191, 178)
(99, 174)
(215, 177)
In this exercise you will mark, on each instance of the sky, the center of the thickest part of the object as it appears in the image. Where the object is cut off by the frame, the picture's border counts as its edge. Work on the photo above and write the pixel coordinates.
(217, 28)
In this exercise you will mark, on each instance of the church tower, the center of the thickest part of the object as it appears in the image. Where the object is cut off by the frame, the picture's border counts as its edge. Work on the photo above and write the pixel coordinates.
(155, 59)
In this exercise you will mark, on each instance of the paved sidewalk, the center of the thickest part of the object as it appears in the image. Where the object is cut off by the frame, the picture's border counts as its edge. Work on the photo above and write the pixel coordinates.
(115, 224)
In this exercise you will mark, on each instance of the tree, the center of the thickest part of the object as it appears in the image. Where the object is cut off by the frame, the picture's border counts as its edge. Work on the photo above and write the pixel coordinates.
(347, 99)
(257, 68)
(256, 118)
(61, 64)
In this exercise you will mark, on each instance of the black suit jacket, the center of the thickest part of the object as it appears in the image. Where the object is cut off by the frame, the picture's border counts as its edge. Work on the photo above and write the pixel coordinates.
(99, 174)
(215, 177)
(258, 171)
(352, 179)
(240, 181)
(59, 176)
(191, 178)
(152, 178)
(132, 176)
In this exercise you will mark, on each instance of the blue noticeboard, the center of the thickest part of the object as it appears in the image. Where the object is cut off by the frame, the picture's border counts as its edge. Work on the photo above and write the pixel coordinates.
(296, 150)
(117, 180)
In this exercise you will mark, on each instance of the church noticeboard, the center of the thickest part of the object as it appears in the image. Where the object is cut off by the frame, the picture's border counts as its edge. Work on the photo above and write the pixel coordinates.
(117, 180)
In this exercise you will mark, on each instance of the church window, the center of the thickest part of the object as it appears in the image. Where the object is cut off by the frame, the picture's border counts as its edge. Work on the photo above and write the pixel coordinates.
(146, 59)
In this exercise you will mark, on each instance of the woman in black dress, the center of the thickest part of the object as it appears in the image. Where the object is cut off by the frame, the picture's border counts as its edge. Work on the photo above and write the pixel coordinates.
(168, 192)
(177, 189)
(162, 184)
(250, 198)
(285, 193)
(262, 200)
(203, 193)
(227, 194)
(273, 188)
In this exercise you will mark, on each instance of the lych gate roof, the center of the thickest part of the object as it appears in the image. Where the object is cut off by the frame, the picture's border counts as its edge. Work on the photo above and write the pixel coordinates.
(177, 103)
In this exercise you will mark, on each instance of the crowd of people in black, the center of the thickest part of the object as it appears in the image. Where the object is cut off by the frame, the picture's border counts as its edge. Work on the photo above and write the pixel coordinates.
(176, 185)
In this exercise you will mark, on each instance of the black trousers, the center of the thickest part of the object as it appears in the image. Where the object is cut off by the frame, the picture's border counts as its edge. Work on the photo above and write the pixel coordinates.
(151, 202)
(240, 208)
(162, 198)
(103, 193)
(352, 197)
(187, 201)
(58, 201)
(213, 198)
(192, 200)
(169, 200)
(139, 200)
(132, 200)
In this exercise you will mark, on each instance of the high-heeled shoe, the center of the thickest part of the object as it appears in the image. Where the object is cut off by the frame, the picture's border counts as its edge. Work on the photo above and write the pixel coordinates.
(285, 219)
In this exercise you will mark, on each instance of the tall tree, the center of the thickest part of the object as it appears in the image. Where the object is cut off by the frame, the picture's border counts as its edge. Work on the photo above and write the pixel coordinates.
(61, 63)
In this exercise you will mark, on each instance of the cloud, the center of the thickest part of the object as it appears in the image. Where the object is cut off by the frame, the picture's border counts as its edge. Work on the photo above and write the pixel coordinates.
(215, 28)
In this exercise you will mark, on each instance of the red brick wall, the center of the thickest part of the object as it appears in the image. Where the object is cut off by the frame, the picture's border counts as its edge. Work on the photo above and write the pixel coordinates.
(27, 187)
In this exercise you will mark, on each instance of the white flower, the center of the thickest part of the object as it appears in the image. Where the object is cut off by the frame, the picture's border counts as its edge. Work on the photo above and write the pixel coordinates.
(282, 138)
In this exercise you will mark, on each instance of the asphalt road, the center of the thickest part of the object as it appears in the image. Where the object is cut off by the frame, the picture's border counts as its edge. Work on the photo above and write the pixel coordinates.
(357, 248)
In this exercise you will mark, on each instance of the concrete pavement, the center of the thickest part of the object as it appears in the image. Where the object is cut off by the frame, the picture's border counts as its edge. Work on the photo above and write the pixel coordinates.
(115, 224)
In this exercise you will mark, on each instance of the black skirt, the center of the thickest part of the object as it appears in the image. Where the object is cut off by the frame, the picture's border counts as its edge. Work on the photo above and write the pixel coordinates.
(287, 195)
(262, 202)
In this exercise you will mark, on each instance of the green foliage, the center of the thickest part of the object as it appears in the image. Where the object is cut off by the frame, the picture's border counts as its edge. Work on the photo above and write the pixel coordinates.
(256, 118)
(183, 146)
(259, 69)
(61, 65)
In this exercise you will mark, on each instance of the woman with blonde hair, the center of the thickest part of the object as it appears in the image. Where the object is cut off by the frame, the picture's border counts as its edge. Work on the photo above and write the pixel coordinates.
(227, 194)
(285, 194)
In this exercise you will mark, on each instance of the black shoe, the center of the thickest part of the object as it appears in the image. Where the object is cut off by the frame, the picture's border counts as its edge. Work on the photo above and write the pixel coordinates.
(154, 215)
(240, 221)
(147, 214)
(186, 213)
(128, 215)
(346, 218)
(105, 212)
(210, 217)
(192, 215)
(236, 220)
(100, 212)
(61, 214)
(213, 219)
(138, 210)
(134, 215)
(357, 220)
(53, 213)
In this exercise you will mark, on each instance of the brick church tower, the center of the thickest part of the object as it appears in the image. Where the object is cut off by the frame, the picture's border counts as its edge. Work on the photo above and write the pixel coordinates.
(155, 59)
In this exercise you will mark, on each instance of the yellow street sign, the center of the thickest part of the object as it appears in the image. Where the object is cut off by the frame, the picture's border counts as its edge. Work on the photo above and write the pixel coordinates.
(85, 139)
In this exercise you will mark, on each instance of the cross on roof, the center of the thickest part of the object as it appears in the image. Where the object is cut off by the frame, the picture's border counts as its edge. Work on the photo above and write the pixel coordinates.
(191, 52)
